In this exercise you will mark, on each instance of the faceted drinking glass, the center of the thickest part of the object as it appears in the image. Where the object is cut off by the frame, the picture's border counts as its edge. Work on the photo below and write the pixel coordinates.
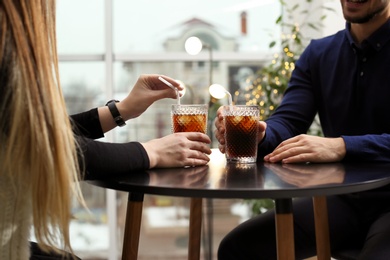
(189, 118)
(241, 132)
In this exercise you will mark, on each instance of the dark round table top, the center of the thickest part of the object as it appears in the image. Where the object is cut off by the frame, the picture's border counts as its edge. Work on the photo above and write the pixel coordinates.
(219, 179)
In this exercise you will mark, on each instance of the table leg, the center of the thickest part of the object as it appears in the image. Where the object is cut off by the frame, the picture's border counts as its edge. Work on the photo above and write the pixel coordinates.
(284, 229)
(132, 226)
(208, 230)
(195, 229)
(322, 228)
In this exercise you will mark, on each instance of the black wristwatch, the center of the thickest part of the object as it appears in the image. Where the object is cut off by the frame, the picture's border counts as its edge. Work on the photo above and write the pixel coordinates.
(115, 112)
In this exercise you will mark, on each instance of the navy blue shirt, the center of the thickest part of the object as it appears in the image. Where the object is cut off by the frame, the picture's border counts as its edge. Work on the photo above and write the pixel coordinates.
(348, 86)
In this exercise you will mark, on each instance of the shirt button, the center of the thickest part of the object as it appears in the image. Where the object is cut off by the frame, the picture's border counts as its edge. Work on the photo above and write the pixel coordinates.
(364, 59)
(378, 45)
(361, 74)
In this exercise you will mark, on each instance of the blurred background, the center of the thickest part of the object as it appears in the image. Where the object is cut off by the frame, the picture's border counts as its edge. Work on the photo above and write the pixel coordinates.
(104, 45)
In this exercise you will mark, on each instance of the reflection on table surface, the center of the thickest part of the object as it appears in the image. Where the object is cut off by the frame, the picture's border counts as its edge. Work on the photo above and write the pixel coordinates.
(245, 180)
(259, 176)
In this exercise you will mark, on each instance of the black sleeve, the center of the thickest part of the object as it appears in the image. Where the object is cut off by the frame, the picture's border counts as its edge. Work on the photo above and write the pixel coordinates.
(87, 124)
(101, 159)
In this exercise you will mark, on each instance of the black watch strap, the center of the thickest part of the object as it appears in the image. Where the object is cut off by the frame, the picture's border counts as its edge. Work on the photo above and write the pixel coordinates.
(115, 112)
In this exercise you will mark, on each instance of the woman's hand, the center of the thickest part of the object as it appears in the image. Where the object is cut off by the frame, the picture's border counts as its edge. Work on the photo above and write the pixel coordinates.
(179, 150)
(145, 92)
(307, 148)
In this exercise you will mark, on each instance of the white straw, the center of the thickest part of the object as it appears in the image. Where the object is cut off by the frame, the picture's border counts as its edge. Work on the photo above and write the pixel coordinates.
(217, 90)
(172, 87)
(230, 98)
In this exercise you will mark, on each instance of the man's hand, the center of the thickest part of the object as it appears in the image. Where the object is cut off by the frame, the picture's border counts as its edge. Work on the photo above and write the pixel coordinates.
(306, 148)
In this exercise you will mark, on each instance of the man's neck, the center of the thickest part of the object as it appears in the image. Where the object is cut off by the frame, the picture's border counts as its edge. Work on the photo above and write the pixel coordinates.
(361, 31)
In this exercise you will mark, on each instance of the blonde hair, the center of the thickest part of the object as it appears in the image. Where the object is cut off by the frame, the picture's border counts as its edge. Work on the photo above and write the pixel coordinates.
(38, 150)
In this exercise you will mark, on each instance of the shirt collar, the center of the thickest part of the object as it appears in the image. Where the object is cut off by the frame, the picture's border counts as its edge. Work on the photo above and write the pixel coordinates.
(376, 40)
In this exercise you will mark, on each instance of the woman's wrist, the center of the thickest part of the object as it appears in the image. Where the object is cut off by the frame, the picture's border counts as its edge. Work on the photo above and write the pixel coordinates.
(124, 111)
(116, 114)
